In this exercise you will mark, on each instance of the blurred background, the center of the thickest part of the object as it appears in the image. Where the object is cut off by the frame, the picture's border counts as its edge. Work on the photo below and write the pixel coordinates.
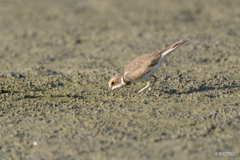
(78, 34)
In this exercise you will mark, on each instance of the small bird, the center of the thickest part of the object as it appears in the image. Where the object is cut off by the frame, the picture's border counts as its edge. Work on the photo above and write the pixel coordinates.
(142, 68)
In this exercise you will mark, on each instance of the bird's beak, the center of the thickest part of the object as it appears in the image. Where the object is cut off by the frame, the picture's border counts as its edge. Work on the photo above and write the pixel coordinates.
(109, 89)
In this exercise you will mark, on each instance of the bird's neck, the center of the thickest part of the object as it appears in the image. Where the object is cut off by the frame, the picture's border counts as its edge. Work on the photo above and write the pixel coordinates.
(126, 81)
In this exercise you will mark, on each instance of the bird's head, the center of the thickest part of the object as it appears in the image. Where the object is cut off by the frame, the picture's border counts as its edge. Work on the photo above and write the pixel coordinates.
(116, 82)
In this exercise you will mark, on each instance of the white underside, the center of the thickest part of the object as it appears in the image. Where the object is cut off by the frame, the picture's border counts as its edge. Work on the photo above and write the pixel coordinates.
(164, 55)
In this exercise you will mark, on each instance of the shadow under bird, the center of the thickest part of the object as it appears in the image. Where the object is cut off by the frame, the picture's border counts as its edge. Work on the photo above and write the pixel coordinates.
(142, 68)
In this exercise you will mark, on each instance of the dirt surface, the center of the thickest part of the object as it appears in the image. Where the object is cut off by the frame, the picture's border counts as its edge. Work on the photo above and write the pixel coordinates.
(57, 56)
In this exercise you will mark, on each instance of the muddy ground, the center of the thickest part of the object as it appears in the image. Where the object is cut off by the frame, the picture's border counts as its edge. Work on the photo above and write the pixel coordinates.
(57, 56)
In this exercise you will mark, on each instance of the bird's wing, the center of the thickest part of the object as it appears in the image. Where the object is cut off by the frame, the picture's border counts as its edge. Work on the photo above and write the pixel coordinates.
(140, 66)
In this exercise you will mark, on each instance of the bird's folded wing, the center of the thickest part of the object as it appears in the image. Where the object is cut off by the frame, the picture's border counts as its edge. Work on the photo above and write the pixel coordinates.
(140, 66)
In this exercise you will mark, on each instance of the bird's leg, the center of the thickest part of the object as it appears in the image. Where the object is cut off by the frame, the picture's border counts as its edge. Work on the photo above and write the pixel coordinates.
(148, 84)
(155, 79)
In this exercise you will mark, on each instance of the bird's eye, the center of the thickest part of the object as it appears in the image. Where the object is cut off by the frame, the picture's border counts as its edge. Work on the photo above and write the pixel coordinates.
(113, 82)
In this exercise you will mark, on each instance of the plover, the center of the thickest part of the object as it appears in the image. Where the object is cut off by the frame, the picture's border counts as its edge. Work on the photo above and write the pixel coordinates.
(142, 68)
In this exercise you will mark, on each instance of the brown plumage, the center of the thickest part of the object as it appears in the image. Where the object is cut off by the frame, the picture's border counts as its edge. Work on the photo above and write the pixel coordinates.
(135, 71)
(142, 68)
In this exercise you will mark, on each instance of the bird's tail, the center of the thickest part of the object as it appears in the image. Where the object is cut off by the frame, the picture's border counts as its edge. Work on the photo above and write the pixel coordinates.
(173, 47)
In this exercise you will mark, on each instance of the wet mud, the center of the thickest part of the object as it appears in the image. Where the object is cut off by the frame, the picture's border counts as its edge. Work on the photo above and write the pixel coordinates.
(56, 58)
